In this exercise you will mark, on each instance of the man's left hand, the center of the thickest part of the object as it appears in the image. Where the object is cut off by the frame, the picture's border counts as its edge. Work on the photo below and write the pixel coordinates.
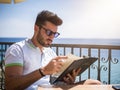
(70, 78)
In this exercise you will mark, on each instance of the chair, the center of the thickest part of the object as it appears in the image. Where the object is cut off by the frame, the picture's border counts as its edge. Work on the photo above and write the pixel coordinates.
(2, 75)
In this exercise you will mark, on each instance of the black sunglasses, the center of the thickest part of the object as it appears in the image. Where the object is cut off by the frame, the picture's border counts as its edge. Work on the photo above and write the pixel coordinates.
(49, 32)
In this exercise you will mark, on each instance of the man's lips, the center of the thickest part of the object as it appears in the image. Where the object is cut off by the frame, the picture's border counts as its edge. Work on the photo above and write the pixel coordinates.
(49, 40)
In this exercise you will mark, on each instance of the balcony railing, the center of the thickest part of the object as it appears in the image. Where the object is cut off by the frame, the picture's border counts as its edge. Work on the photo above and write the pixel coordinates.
(108, 59)
(106, 69)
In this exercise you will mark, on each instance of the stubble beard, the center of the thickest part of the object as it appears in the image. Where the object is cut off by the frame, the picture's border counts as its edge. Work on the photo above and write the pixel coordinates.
(41, 41)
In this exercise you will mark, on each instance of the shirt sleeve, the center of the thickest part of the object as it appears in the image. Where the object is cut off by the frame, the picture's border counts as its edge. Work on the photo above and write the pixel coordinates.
(14, 56)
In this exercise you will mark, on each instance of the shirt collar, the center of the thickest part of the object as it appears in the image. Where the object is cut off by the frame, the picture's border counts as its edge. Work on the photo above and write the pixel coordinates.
(31, 45)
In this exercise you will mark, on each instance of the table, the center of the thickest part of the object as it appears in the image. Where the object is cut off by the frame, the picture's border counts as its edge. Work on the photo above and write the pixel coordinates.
(77, 87)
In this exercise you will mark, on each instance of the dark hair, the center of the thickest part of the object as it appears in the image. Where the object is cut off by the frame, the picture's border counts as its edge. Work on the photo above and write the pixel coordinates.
(46, 15)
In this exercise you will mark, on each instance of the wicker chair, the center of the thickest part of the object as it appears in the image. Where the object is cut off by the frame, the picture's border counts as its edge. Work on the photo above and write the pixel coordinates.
(2, 75)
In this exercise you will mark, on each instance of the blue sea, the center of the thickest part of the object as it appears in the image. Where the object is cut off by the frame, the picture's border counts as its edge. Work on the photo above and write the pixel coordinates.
(115, 70)
(72, 41)
(87, 41)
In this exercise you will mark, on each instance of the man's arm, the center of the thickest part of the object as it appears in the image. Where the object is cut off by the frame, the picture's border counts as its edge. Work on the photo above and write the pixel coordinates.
(14, 80)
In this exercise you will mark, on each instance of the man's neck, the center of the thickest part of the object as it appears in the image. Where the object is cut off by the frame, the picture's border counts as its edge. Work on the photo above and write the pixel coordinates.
(37, 44)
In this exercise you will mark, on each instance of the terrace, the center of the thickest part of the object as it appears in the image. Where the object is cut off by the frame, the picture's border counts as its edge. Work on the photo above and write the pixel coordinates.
(105, 69)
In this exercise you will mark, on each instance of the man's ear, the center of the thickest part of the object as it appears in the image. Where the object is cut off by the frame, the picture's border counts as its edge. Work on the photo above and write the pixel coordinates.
(36, 28)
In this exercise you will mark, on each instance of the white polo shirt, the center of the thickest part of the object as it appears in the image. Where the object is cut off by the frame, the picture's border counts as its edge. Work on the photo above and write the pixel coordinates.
(25, 54)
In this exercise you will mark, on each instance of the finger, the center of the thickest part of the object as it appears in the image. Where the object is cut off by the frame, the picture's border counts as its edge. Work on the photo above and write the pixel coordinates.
(66, 79)
(78, 71)
(58, 58)
(56, 63)
(59, 66)
(54, 60)
(75, 72)
(71, 78)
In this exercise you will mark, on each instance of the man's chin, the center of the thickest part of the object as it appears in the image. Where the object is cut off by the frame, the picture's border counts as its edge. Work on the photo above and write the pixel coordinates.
(47, 45)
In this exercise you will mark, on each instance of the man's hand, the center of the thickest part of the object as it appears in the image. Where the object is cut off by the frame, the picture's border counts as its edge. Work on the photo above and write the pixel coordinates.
(70, 78)
(54, 65)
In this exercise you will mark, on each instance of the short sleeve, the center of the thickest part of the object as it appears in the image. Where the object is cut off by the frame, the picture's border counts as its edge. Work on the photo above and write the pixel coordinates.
(14, 56)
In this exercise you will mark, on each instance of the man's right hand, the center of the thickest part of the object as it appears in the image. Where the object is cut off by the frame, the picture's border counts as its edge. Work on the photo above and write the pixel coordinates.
(54, 65)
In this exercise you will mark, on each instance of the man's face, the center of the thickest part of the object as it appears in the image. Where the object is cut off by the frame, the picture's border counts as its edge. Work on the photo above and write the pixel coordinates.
(46, 34)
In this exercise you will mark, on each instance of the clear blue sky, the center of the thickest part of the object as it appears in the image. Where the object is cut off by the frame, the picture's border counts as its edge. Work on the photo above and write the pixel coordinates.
(82, 18)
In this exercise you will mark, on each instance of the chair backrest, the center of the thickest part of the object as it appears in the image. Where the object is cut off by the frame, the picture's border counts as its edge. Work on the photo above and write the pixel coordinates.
(2, 75)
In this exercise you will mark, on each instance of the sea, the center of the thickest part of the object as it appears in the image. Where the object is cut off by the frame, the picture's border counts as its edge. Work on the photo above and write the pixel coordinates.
(115, 71)
(71, 41)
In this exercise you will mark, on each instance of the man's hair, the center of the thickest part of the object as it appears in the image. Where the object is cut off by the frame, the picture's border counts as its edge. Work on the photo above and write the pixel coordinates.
(46, 15)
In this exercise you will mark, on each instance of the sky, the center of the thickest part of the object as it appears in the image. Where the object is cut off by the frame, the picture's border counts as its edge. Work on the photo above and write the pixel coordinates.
(81, 18)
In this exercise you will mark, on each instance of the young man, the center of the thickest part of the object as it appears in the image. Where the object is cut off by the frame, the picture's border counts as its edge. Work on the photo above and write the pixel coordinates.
(30, 63)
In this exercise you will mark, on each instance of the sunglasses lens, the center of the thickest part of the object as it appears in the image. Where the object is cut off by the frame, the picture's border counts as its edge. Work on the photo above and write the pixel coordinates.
(49, 33)
(56, 34)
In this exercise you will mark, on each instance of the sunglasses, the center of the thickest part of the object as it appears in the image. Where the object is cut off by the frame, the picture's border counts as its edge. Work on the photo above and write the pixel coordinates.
(49, 32)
